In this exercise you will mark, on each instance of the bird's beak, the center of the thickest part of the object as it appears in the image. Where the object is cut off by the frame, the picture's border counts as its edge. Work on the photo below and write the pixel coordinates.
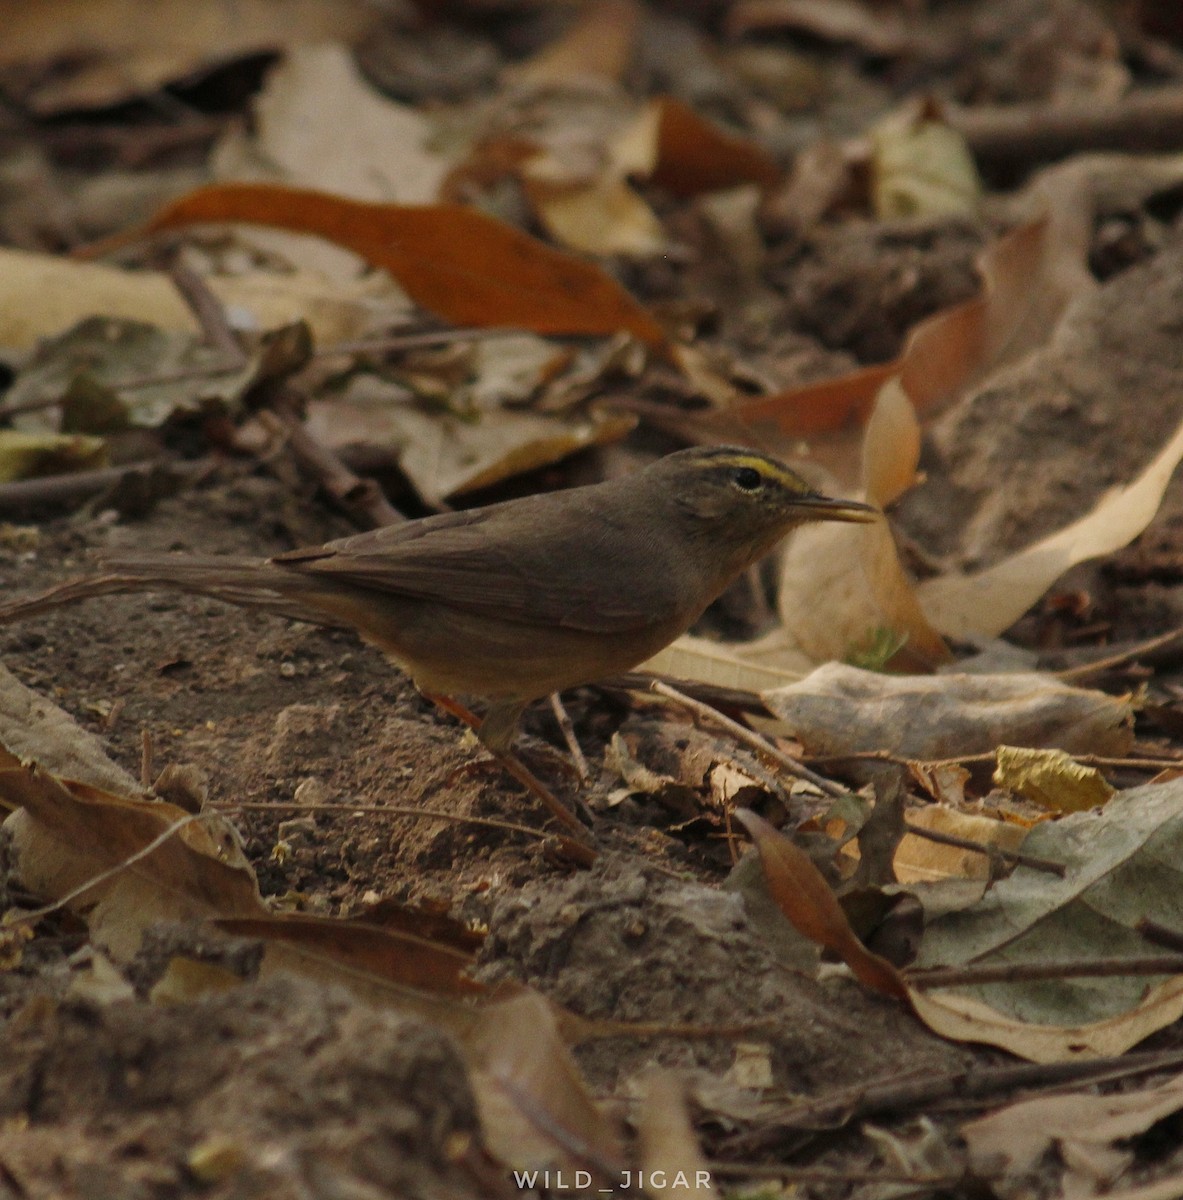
(823, 508)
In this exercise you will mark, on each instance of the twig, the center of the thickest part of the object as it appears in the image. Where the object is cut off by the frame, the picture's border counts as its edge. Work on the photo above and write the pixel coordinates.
(1146, 120)
(568, 732)
(389, 810)
(1160, 935)
(1016, 856)
(1117, 660)
(111, 872)
(1021, 972)
(14, 410)
(361, 498)
(749, 738)
(709, 693)
(411, 341)
(208, 310)
(145, 757)
(775, 1171)
(897, 1095)
(1091, 760)
(77, 485)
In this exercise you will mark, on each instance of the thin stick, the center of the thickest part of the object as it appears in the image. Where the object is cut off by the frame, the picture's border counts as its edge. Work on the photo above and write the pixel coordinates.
(774, 1171)
(898, 1094)
(78, 485)
(1072, 968)
(154, 845)
(208, 310)
(363, 499)
(390, 810)
(1091, 760)
(1017, 856)
(1160, 935)
(1117, 660)
(749, 738)
(145, 757)
(568, 732)
(1150, 119)
(12, 410)
(412, 341)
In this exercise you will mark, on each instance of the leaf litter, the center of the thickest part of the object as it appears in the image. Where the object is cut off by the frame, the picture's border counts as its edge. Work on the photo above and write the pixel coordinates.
(1008, 449)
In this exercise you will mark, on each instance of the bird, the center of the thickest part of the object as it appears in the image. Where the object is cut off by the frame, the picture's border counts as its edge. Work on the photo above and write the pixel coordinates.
(514, 600)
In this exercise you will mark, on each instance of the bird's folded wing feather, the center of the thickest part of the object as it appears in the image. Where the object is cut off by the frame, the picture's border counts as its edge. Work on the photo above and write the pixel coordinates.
(521, 569)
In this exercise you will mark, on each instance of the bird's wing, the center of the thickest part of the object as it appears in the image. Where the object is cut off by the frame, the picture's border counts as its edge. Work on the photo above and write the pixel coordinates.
(537, 563)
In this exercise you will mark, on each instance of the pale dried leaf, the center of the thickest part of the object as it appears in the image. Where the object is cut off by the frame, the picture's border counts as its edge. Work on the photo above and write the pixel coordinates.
(669, 1149)
(318, 123)
(1121, 866)
(868, 598)
(24, 455)
(962, 1018)
(66, 834)
(445, 455)
(599, 43)
(1086, 1130)
(1051, 779)
(33, 729)
(992, 600)
(754, 667)
(535, 1109)
(119, 48)
(842, 710)
(41, 295)
(921, 167)
(919, 860)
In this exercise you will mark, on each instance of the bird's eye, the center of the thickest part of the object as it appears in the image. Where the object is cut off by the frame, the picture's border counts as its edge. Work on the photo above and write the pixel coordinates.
(747, 478)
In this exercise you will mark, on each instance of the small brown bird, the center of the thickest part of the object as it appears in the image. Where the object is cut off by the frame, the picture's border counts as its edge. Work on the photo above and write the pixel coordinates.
(520, 599)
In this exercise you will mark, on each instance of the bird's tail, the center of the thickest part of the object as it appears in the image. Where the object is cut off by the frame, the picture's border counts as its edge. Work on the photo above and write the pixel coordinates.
(247, 582)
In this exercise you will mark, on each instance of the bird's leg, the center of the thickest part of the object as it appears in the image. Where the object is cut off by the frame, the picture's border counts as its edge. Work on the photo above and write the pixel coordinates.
(500, 723)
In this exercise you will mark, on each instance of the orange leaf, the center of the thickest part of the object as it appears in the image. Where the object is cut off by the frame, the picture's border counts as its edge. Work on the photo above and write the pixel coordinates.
(355, 946)
(458, 263)
(804, 896)
(1029, 277)
(695, 156)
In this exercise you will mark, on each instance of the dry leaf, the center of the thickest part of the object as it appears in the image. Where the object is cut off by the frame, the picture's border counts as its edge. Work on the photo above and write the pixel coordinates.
(670, 1156)
(533, 1103)
(992, 600)
(456, 262)
(1029, 277)
(842, 710)
(868, 600)
(113, 50)
(1089, 1134)
(1121, 866)
(920, 166)
(754, 667)
(66, 834)
(24, 455)
(873, 29)
(964, 1019)
(446, 455)
(41, 295)
(318, 123)
(693, 156)
(1051, 779)
(804, 896)
(919, 860)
